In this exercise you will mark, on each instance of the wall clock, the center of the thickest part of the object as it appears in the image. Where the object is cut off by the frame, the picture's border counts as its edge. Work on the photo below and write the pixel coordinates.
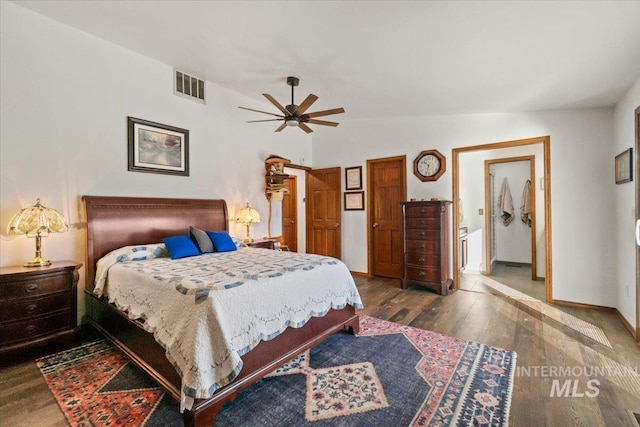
(429, 165)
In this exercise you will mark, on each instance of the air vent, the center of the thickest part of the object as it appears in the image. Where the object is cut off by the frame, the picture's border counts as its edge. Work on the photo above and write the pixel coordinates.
(188, 86)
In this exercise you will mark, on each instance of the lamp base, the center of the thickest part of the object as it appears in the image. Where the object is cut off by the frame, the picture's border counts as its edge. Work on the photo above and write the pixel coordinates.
(247, 240)
(37, 262)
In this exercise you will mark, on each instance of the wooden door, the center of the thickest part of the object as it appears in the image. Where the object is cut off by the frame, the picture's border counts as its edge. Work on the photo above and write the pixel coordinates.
(290, 214)
(387, 180)
(323, 212)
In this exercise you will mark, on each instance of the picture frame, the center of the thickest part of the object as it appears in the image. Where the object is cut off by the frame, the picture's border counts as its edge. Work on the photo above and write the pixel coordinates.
(353, 178)
(157, 148)
(624, 166)
(354, 201)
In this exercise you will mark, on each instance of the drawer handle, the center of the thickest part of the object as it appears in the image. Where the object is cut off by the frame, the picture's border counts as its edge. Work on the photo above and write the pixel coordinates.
(31, 307)
(31, 287)
(423, 222)
(421, 246)
(421, 260)
(421, 274)
(30, 329)
(422, 234)
(422, 211)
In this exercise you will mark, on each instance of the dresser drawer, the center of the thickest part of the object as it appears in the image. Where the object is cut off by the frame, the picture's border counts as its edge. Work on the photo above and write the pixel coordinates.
(422, 260)
(421, 234)
(15, 309)
(34, 286)
(424, 223)
(32, 328)
(424, 274)
(422, 211)
(422, 246)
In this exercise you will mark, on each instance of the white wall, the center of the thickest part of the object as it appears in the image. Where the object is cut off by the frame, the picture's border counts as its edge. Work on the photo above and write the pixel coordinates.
(581, 168)
(65, 98)
(623, 210)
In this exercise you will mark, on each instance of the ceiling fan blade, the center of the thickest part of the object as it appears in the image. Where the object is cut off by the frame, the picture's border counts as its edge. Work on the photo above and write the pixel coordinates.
(276, 103)
(267, 120)
(305, 128)
(322, 122)
(306, 103)
(264, 112)
(325, 112)
(282, 126)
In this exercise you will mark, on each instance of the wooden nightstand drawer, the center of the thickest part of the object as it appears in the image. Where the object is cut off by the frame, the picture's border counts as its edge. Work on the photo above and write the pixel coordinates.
(33, 328)
(34, 286)
(265, 244)
(21, 308)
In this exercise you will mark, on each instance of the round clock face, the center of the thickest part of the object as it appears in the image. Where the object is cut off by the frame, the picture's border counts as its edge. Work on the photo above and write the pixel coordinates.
(428, 165)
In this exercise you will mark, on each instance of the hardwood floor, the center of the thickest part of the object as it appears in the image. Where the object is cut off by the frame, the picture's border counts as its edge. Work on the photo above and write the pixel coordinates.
(545, 338)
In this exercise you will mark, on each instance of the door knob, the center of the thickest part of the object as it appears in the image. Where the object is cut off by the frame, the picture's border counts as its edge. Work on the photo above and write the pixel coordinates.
(337, 224)
(375, 224)
(292, 221)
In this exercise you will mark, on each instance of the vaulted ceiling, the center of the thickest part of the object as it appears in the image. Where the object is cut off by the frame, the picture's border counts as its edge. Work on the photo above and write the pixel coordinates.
(385, 58)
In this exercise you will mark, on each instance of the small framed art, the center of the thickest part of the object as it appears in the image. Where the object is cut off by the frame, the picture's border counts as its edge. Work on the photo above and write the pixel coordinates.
(354, 201)
(624, 166)
(157, 148)
(353, 178)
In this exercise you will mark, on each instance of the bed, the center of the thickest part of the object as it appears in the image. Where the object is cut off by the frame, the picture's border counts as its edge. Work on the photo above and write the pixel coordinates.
(116, 222)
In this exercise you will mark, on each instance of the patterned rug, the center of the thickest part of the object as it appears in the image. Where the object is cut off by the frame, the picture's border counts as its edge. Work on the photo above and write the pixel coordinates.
(389, 374)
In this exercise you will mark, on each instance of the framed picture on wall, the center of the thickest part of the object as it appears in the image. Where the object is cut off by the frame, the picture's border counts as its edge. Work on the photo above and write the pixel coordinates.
(157, 148)
(624, 166)
(353, 178)
(354, 201)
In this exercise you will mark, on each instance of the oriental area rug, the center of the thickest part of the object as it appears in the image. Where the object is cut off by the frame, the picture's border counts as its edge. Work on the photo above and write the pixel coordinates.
(387, 375)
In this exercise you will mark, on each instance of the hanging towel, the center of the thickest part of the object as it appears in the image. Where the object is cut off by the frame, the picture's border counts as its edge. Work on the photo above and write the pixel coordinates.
(525, 205)
(505, 202)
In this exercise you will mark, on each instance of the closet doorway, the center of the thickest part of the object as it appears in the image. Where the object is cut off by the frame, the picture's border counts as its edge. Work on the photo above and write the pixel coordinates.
(515, 243)
(470, 211)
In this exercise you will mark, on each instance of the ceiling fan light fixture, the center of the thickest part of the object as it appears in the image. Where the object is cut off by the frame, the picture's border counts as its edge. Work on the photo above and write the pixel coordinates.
(292, 121)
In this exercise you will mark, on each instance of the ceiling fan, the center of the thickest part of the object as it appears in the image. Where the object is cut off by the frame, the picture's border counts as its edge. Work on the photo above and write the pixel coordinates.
(295, 115)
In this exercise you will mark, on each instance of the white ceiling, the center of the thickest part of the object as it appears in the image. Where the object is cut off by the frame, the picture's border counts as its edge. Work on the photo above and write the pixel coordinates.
(385, 58)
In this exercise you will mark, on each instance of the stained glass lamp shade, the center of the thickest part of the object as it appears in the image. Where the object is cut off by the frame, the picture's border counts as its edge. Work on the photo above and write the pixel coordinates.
(37, 221)
(248, 216)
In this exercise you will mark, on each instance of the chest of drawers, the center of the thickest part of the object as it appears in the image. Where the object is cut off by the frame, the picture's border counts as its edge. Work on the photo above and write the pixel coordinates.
(37, 305)
(426, 245)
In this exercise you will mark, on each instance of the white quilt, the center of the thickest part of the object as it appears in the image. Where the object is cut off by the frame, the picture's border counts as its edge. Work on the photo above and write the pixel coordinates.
(209, 310)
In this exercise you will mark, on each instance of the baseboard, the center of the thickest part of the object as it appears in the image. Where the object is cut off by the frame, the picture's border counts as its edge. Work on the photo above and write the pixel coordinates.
(360, 274)
(582, 305)
(634, 333)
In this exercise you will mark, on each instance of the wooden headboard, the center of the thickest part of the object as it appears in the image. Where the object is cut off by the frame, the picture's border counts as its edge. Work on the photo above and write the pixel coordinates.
(114, 222)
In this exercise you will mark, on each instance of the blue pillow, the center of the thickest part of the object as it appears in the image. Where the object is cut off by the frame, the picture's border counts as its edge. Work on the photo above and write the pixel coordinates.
(180, 246)
(222, 241)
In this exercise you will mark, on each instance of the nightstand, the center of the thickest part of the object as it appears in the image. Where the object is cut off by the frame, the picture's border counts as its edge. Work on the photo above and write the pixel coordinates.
(262, 243)
(38, 305)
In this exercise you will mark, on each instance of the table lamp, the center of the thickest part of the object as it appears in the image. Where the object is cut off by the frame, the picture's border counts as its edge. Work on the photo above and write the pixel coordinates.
(248, 216)
(37, 221)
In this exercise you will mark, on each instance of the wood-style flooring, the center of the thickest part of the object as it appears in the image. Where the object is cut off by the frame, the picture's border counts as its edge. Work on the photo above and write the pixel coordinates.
(545, 338)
